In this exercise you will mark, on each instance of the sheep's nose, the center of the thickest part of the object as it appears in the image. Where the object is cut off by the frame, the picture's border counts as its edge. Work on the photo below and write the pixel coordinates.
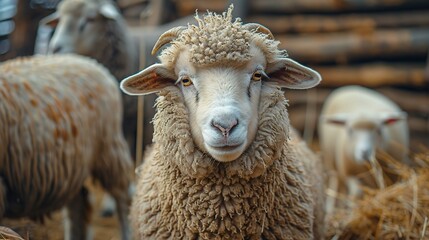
(225, 126)
(56, 49)
(367, 154)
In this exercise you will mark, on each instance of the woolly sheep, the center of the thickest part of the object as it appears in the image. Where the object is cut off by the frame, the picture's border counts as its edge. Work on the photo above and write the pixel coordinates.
(222, 166)
(60, 123)
(356, 122)
(96, 29)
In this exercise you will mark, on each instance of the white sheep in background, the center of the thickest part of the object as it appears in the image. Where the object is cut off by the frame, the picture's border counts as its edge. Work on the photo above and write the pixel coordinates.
(60, 123)
(222, 166)
(356, 122)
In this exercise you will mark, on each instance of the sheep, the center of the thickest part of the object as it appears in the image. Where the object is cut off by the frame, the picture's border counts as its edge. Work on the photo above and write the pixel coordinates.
(60, 123)
(222, 165)
(355, 122)
(96, 29)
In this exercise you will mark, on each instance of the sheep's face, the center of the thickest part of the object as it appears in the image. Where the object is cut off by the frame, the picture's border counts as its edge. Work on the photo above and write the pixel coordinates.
(365, 133)
(222, 102)
(76, 23)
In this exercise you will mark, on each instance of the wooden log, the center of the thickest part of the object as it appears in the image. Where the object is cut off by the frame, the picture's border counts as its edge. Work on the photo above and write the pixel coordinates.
(427, 68)
(187, 7)
(344, 22)
(300, 97)
(419, 125)
(353, 46)
(414, 102)
(373, 75)
(293, 6)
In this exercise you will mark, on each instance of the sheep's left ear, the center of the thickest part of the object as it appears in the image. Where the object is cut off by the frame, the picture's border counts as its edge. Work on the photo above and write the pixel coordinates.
(108, 10)
(290, 74)
(150, 80)
(51, 20)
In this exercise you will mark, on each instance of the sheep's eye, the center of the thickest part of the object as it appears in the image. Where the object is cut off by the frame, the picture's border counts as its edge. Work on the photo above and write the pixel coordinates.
(85, 23)
(186, 82)
(257, 76)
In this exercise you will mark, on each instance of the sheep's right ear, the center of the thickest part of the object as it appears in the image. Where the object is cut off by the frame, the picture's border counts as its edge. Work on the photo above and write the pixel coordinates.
(150, 80)
(51, 20)
(288, 73)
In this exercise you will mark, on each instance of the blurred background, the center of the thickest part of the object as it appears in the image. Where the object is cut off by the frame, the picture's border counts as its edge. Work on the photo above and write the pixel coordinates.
(380, 44)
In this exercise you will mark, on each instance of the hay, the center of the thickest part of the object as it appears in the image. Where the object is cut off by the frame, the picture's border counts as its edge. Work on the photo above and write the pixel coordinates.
(8, 234)
(399, 211)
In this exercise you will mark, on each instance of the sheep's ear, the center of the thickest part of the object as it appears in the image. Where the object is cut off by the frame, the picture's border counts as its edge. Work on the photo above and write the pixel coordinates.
(391, 118)
(290, 74)
(152, 79)
(51, 20)
(337, 119)
(108, 10)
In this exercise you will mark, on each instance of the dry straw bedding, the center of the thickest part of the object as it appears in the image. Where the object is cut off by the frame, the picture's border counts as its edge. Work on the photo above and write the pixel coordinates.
(399, 211)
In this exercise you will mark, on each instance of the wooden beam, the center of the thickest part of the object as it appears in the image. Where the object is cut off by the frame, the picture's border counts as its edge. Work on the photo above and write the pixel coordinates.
(293, 6)
(373, 75)
(311, 23)
(352, 46)
(188, 7)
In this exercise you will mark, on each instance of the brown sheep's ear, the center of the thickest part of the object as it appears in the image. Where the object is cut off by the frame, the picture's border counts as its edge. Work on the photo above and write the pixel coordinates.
(152, 79)
(51, 20)
(290, 74)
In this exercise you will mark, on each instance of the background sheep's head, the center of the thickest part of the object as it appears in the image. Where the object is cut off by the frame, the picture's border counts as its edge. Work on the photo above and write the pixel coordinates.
(76, 21)
(366, 132)
(220, 67)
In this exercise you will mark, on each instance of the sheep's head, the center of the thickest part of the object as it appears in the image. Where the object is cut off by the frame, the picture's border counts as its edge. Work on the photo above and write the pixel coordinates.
(366, 132)
(220, 66)
(77, 22)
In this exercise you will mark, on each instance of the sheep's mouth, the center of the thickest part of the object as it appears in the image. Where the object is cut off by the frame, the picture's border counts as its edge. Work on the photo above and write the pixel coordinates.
(226, 153)
(226, 148)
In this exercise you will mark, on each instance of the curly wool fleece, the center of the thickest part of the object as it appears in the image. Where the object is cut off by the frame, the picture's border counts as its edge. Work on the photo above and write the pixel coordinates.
(183, 193)
(218, 39)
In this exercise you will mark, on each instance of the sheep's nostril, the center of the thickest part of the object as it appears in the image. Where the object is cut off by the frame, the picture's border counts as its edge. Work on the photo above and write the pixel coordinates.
(225, 127)
(233, 124)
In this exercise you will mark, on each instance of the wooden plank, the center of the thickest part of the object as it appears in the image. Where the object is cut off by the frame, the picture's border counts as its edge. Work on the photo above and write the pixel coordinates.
(188, 7)
(294, 6)
(413, 102)
(373, 75)
(311, 23)
(352, 46)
